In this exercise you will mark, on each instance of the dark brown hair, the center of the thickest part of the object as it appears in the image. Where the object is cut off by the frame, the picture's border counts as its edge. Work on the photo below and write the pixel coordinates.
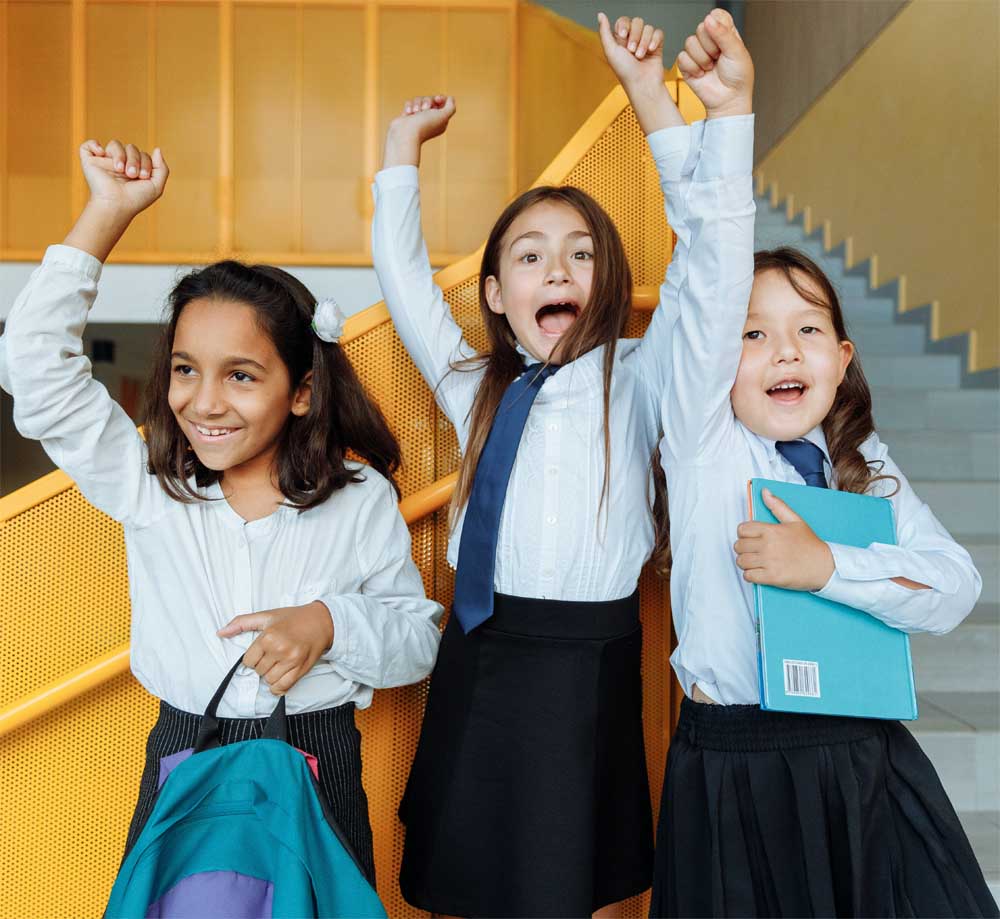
(602, 322)
(313, 448)
(849, 421)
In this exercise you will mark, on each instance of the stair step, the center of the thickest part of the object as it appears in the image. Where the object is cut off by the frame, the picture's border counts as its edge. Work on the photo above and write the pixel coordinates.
(985, 613)
(965, 755)
(963, 507)
(886, 338)
(866, 311)
(963, 660)
(915, 372)
(986, 557)
(983, 830)
(942, 410)
(945, 455)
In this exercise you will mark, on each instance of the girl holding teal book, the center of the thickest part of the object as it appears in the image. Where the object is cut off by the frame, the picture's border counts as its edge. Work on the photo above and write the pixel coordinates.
(769, 813)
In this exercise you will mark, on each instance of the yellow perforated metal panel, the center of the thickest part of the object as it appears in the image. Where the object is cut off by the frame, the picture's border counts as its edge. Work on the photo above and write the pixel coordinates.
(68, 780)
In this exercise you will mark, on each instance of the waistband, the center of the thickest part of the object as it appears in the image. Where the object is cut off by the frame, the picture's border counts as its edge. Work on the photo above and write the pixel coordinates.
(335, 714)
(750, 729)
(580, 619)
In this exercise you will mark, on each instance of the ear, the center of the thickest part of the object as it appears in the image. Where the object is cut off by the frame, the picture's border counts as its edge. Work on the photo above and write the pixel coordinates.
(493, 297)
(846, 356)
(302, 397)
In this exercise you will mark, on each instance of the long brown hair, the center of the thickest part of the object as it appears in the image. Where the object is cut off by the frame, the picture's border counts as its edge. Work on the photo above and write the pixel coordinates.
(313, 448)
(602, 322)
(849, 422)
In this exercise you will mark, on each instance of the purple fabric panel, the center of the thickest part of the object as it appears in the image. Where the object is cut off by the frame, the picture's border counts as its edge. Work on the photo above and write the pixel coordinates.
(216, 893)
(169, 763)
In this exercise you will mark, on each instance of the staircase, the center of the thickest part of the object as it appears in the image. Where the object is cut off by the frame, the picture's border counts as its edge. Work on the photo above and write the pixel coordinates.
(942, 427)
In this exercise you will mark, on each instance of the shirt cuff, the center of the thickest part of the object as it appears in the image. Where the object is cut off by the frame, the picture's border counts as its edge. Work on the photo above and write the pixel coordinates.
(341, 647)
(405, 176)
(75, 260)
(671, 150)
(862, 595)
(726, 148)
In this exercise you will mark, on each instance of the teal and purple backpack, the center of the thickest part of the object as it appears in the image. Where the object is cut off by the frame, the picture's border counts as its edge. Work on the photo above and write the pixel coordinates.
(241, 830)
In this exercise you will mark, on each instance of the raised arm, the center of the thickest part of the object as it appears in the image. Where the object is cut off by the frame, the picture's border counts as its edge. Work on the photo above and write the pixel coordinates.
(422, 318)
(714, 274)
(56, 399)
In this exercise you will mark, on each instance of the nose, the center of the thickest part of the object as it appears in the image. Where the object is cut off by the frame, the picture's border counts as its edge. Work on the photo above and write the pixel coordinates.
(558, 273)
(207, 401)
(787, 351)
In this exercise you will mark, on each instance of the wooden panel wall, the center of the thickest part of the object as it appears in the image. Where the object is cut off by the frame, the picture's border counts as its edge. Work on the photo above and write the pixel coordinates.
(271, 114)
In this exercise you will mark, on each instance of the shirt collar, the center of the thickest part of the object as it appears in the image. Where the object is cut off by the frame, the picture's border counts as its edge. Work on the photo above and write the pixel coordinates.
(815, 437)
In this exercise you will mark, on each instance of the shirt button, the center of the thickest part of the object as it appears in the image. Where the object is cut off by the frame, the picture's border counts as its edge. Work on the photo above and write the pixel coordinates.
(551, 520)
(553, 470)
(553, 427)
(548, 573)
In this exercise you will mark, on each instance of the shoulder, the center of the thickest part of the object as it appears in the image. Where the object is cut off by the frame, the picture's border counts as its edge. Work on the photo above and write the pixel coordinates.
(370, 487)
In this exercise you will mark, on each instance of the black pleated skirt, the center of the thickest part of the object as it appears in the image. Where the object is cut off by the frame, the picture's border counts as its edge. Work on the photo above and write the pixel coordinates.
(529, 794)
(774, 814)
(330, 735)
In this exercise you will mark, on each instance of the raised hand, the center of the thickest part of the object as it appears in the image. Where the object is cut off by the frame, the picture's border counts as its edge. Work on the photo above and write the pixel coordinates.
(422, 118)
(123, 182)
(123, 177)
(634, 49)
(717, 66)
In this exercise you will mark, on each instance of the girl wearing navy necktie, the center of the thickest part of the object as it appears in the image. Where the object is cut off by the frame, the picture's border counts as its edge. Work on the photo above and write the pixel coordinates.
(766, 813)
(529, 794)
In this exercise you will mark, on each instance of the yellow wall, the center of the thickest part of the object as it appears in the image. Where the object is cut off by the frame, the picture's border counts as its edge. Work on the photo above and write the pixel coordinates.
(901, 157)
(562, 78)
(271, 114)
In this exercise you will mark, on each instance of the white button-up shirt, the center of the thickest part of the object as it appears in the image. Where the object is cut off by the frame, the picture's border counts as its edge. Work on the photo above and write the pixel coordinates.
(192, 567)
(709, 456)
(555, 539)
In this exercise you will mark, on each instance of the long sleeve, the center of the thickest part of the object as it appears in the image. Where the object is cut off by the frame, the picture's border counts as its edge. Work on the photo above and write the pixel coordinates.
(56, 399)
(716, 235)
(925, 552)
(386, 634)
(675, 153)
(431, 336)
(5, 383)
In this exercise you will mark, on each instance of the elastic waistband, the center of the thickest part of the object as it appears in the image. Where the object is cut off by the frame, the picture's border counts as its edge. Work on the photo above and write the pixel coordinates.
(581, 619)
(750, 729)
(336, 713)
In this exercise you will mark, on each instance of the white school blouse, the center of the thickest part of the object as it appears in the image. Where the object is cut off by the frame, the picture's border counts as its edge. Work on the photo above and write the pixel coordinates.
(555, 540)
(192, 567)
(708, 456)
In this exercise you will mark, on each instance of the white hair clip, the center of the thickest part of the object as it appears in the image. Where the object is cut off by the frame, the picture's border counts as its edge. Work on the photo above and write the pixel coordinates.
(328, 321)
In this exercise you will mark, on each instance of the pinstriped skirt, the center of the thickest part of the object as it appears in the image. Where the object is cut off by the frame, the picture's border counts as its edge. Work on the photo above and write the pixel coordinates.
(330, 735)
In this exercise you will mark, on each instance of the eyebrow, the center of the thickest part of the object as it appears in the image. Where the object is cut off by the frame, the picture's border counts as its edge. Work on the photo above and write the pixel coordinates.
(825, 312)
(229, 361)
(538, 234)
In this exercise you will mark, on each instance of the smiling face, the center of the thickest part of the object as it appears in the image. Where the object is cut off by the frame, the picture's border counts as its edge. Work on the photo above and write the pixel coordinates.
(230, 391)
(792, 359)
(546, 273)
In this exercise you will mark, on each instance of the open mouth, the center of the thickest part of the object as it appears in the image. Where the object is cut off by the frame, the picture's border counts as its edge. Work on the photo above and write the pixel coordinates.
(788, 392)
(555, 318)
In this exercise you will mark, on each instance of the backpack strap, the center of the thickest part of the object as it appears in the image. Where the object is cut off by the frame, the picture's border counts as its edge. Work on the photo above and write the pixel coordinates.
(276, 727)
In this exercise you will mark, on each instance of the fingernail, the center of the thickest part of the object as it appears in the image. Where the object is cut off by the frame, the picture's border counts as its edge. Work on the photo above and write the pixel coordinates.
(631, 46)
(622, 33)
(143, 174)
(132, 171)
(641, 55)
(119, 166)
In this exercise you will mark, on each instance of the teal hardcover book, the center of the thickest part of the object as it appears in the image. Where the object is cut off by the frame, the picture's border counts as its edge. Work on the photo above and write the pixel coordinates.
(821, 657)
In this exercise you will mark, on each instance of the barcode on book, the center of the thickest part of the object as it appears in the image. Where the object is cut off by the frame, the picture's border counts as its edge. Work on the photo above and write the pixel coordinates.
(802, 678)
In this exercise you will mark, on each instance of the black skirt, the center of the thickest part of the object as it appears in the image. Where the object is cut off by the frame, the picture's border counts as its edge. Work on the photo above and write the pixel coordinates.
(330, 735)
(774, 814)
(529, 794)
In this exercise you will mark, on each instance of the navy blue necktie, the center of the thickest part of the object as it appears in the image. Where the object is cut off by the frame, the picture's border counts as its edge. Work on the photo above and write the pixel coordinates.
(477, 549)
(807, 459)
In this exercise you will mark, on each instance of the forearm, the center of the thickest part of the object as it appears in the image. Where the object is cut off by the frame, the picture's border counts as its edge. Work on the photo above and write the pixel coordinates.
(653, 105)
(98, 229)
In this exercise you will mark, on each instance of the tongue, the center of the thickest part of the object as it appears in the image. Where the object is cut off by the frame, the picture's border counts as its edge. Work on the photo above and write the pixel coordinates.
(557, 321)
